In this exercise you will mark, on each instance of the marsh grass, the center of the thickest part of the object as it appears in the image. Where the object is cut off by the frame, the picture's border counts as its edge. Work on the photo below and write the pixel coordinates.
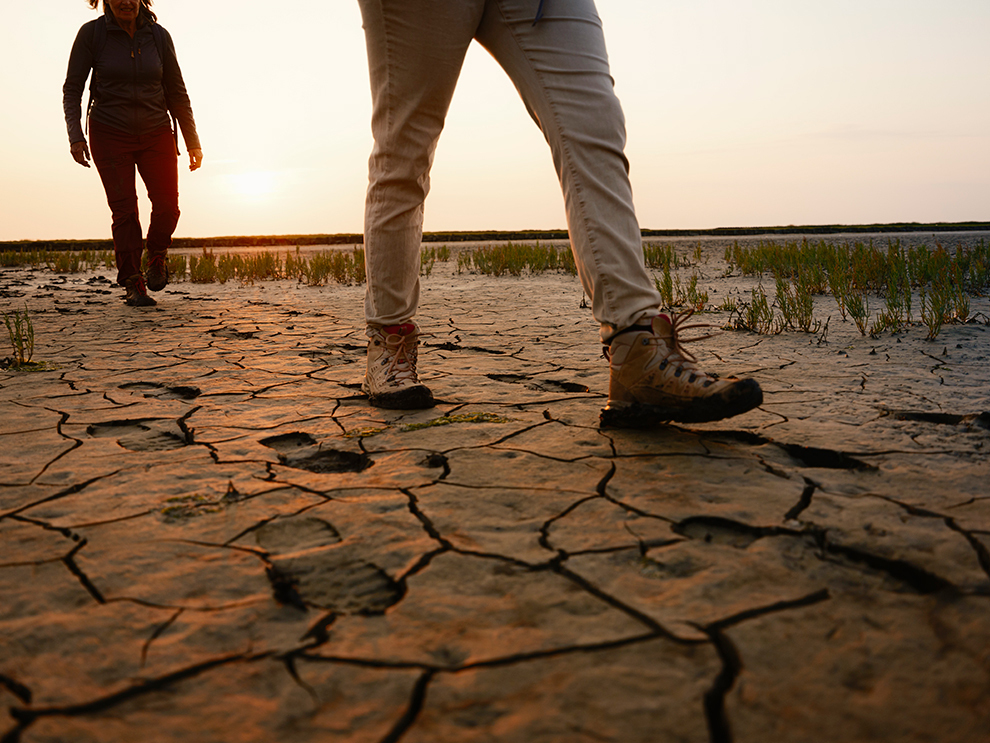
(429, 256)
(58, 261)
(893, 279)
(660, 257)
(516, 259)
(853, 273)
(669, 286)
(317, 269)
(695, 298)
(796, 302)
(756, 315)
(21, 332)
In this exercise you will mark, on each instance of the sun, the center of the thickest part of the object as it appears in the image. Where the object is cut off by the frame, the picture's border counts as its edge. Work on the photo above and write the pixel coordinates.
(254, 186)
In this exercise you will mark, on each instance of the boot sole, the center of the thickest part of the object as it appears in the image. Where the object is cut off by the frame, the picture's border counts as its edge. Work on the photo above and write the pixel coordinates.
(149, 302)
(413, 398)
(740, 398)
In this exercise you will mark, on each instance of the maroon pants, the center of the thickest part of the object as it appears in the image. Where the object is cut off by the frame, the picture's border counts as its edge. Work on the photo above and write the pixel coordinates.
(116, 154)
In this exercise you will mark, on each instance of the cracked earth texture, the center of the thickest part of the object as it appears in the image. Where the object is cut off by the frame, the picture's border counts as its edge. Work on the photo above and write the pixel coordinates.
(208, 535)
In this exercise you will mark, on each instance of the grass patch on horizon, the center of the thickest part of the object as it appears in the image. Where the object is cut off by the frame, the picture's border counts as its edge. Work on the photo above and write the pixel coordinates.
(853, 274)
(881, 289)
(516, 259)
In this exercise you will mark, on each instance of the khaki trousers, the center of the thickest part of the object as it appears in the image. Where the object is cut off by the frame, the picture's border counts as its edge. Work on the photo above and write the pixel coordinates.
(560, 67)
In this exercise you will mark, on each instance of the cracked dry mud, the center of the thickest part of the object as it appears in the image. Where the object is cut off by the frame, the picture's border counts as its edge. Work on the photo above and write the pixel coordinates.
(208, 535)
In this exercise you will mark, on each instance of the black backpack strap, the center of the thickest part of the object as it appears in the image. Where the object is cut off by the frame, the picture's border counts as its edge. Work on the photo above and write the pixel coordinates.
(99, 42)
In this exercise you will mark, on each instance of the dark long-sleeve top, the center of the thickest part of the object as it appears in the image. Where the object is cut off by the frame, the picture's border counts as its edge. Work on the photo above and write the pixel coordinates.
(128, 93)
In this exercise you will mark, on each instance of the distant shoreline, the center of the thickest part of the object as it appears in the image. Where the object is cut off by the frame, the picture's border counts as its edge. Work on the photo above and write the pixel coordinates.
(502, 236)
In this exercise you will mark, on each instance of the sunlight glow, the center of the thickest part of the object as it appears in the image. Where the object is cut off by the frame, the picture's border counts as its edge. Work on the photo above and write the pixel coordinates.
(254, 186)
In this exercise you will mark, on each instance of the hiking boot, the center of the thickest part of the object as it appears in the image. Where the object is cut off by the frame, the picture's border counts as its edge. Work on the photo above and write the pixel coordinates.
(136, 293)
(391, 381)
(652, 379)
(157, 273)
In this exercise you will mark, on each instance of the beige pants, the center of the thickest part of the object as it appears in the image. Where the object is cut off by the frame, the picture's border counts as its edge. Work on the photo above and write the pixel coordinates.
(560, 68)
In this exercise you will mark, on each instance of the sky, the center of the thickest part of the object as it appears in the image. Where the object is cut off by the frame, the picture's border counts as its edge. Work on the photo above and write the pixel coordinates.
(738, 113)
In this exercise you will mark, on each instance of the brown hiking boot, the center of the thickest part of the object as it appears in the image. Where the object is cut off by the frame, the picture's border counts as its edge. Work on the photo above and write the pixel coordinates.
(392, 381)
(136, 293)
(157, 273)
(652, 379)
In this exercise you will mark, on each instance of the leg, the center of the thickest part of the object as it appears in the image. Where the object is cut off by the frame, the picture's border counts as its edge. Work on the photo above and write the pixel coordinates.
(158, 165)
(560, 68)
(113, 153)
(415, 52)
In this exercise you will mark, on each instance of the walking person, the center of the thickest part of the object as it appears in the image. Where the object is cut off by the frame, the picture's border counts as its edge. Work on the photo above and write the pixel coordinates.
(554, 52)
(136, 95)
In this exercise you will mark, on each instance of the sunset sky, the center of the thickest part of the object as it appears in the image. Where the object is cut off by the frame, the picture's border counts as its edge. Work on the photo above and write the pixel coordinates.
(767, 112)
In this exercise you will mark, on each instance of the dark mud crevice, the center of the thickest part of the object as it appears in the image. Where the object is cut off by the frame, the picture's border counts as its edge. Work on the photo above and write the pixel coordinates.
(70, 562)
(319, 631)
(25, 716)
(438, 460)
(810, 486)
(601, 489)
(184, 427)
(16, 688)
(976, 420)
(645, 619)
(285, 588)
(739, 535)
(71, 490)
(719, 725)
(290, 666)
(63, 530)
(231, 334)
(76, 443)
(448, 346)
(416, 701)
(719, 728)
(544, 531)
(428, 526)
(539, 385)
(982, 554)
(159, 631)
(809, 456)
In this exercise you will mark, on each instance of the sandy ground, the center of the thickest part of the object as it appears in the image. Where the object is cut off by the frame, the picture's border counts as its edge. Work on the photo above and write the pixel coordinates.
(206, 534)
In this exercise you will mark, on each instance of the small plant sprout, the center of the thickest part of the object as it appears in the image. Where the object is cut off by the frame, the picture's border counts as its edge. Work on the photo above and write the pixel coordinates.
(21, 332)
(858, 306)
(757, 316)
(695, 298)
(729, 304)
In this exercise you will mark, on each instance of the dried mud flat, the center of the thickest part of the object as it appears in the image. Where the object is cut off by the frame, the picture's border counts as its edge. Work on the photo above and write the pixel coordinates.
(206, 534)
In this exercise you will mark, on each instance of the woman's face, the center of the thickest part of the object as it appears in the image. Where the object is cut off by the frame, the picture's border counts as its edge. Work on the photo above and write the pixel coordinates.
(125, 11)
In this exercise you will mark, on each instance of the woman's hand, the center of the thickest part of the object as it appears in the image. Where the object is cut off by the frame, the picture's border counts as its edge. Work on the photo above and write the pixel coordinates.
(195, 159)
(80, 153)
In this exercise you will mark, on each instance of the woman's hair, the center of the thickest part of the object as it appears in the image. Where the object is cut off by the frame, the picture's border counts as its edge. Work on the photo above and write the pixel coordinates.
(145, 8)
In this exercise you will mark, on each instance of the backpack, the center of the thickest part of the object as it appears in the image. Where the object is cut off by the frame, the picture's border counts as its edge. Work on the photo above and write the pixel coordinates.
(100, 41)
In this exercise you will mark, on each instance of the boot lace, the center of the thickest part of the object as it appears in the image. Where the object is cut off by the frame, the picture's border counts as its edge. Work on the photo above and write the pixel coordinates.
(401, 352)
(678, 324)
